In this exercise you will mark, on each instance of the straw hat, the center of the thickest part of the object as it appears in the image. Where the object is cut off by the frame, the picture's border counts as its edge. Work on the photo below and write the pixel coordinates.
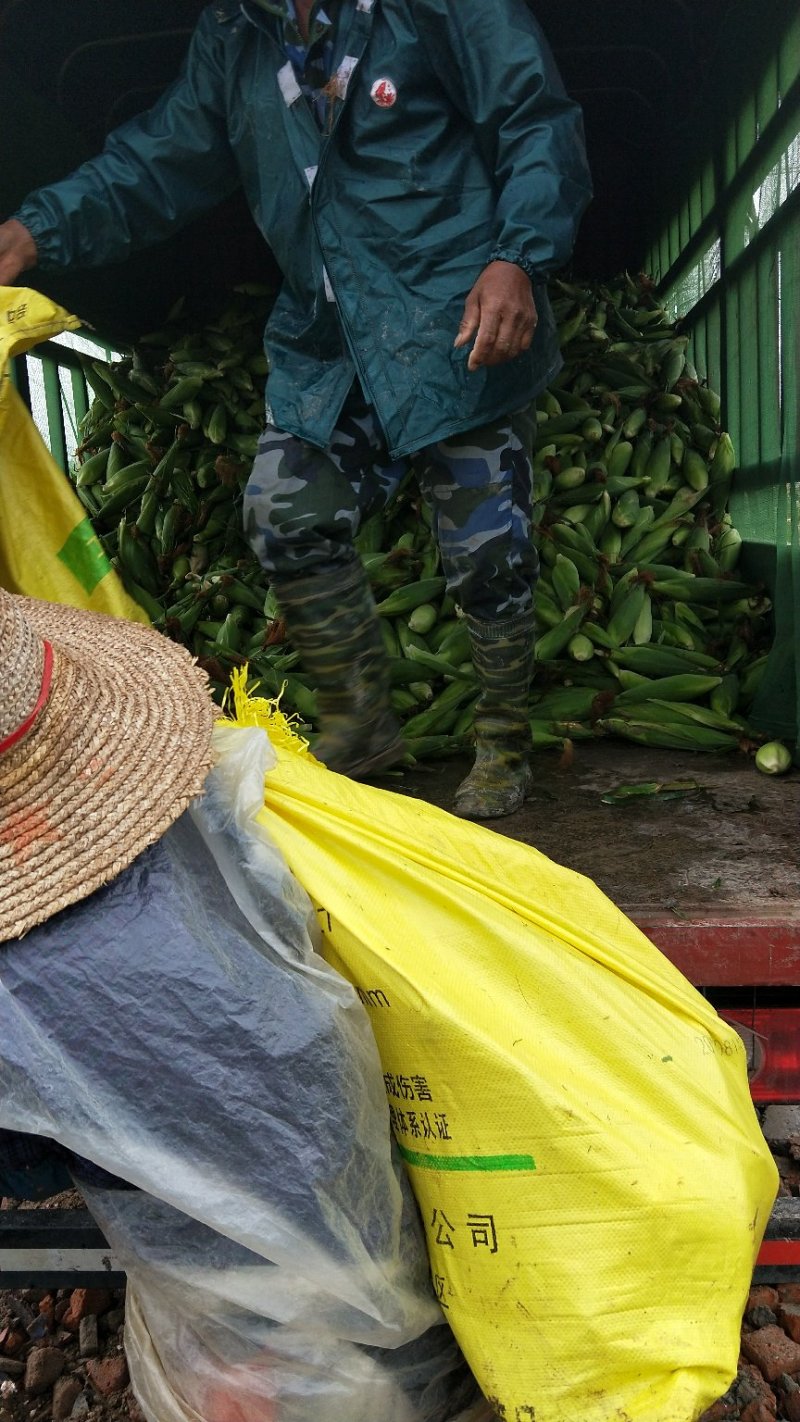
(105, 738)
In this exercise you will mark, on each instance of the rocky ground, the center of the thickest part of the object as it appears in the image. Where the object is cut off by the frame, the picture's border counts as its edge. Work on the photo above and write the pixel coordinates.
(768, 1383)
(61, 1356)
(61, 1350)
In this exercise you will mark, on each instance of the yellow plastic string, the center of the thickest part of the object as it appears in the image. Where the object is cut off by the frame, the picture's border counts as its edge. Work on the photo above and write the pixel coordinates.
(241, 708)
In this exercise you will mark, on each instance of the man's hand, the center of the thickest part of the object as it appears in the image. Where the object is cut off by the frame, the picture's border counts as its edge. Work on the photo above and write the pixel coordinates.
(502, 310)
(17, 251)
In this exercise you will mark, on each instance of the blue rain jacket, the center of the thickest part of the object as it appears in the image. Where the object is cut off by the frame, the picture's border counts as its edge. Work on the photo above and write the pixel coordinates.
(451, 142)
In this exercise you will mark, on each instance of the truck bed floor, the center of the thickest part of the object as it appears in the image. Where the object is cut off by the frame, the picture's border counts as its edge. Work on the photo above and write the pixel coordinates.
(713, 876)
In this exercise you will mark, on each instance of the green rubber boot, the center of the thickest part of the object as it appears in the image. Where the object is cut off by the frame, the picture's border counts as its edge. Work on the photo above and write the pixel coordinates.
(501, 778)
(332, 623)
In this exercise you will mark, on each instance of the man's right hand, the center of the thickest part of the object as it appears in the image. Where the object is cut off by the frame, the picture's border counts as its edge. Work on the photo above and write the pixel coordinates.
(17, 251)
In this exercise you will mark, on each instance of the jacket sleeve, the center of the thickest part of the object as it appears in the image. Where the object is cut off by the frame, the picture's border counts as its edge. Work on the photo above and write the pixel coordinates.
(496, 67)
(155, 173)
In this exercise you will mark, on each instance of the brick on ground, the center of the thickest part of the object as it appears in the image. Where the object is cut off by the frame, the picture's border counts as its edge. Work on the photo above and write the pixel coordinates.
(772, 1352)
(780, 1122)
(762, 1296)
(789, 1319)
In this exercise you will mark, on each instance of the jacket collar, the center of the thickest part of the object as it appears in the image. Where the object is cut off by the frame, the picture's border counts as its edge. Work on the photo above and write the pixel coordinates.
(285, 10)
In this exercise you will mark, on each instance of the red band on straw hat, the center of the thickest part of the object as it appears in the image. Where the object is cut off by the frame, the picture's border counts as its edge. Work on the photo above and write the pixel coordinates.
(76, 810)
(44, 692)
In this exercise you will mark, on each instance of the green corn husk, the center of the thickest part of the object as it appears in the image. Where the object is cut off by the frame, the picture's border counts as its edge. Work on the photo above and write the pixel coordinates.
(631, 476)
(773, 758)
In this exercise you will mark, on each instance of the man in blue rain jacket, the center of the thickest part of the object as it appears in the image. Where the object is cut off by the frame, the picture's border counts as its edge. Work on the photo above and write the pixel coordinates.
(417, 170)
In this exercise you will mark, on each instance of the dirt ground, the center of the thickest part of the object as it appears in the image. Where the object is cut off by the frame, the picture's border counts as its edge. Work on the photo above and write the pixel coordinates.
(732, 840)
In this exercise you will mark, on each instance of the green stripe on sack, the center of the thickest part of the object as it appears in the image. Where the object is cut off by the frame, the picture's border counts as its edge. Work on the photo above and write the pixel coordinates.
(466, 1162)
(83, 555)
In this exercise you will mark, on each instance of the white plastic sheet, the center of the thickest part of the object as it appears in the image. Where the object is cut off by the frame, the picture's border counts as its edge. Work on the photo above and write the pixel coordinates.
(179, 1030)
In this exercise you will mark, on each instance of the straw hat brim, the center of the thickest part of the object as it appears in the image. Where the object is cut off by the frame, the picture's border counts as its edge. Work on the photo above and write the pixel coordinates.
(121, 748)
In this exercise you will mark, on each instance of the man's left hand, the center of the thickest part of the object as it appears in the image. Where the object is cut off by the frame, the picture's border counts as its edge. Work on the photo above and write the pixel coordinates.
(501, 309)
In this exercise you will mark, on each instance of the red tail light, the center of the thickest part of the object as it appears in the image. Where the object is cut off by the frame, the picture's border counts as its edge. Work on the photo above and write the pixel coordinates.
(772, 1038)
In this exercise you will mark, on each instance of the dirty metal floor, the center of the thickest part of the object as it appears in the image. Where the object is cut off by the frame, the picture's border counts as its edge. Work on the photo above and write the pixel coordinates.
(722, 860)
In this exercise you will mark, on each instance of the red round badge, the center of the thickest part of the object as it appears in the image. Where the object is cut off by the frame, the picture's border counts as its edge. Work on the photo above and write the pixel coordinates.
(383, 93)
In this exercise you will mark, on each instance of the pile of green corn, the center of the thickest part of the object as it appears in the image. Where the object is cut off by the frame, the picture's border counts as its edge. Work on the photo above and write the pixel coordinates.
(644, 629)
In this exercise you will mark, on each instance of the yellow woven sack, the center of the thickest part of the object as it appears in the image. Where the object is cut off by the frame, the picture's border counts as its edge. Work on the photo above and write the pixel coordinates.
(575, 1117)
(48, 548)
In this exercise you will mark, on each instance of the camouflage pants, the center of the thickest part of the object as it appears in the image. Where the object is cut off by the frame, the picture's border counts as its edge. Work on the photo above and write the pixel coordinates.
(303, 505)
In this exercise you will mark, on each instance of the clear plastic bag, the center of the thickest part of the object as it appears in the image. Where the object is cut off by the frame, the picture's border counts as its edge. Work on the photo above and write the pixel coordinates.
(179, 1030)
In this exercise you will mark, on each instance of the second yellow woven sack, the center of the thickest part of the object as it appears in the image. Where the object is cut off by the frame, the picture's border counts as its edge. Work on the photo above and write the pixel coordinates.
(575, 1117)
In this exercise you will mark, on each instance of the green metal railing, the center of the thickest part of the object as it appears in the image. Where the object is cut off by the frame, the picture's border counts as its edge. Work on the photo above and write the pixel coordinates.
(50, 380)
(728, 263)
